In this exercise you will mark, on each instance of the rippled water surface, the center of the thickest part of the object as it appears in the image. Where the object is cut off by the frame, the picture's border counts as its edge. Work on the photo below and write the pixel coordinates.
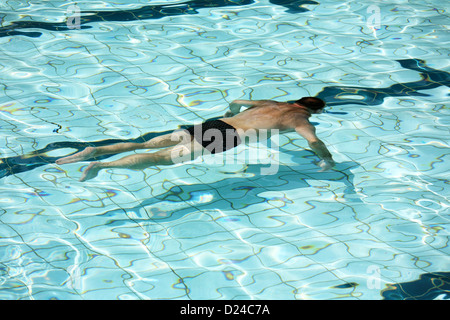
(376, 227)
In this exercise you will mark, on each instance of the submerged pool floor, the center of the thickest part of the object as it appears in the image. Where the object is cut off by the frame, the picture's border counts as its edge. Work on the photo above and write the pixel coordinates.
(375, 227)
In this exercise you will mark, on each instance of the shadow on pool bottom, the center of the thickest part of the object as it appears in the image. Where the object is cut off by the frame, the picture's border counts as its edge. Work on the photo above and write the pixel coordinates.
(429, 286)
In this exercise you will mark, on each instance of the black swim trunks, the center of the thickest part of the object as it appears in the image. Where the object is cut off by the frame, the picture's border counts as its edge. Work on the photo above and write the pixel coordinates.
(214, 135)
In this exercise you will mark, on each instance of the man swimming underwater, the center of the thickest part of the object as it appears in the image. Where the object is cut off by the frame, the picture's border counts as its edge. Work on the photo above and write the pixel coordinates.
(214, 136)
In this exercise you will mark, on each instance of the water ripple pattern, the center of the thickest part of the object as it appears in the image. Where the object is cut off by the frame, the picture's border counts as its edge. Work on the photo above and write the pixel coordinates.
(376, 227)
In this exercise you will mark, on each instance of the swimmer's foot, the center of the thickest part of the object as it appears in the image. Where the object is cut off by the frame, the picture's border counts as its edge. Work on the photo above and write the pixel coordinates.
(87, 153)
(91, 171)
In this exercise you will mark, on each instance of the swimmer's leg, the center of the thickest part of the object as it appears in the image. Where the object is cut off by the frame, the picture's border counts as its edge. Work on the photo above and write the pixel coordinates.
(169, 156)
(163, 141)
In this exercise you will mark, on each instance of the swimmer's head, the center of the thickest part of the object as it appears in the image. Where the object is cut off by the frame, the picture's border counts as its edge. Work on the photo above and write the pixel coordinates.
(315, 105)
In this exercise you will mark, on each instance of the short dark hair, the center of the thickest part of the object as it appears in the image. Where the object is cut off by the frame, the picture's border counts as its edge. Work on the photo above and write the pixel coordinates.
(312, 103)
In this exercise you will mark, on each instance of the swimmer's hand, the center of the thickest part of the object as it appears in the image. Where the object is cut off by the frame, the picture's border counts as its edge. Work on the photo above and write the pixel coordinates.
(326, 165)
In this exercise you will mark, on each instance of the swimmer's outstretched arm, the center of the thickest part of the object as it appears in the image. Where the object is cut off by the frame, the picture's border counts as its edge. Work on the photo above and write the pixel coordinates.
(308, 131)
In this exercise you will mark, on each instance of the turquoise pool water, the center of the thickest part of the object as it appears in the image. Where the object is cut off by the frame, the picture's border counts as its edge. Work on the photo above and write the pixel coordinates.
(98, 72)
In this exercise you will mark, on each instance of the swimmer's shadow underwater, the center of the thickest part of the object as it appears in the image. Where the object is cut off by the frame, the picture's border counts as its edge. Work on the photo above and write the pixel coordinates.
(237, 193)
